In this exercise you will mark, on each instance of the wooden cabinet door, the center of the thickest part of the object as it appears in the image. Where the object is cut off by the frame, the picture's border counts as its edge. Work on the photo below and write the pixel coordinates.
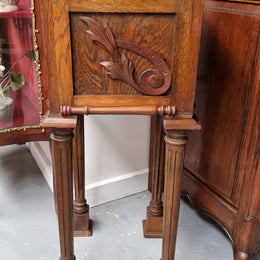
(230, 39)
(221, 166)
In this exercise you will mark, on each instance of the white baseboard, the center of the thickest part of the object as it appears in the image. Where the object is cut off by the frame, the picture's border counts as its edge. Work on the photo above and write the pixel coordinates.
(43, 160)
(99, 192)
(116, 188)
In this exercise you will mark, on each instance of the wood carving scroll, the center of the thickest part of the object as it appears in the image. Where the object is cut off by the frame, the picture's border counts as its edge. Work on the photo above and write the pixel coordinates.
(152, 81)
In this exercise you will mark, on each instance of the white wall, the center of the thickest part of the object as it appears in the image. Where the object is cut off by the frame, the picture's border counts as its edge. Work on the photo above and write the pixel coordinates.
(116, 157)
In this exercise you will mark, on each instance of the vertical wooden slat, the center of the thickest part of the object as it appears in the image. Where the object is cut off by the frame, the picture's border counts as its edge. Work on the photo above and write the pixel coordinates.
(189, 15)
(58, 52)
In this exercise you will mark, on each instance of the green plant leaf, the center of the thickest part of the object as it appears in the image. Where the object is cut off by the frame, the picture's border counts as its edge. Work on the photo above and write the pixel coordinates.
(31, 55)
(17, 80)
(7, 92)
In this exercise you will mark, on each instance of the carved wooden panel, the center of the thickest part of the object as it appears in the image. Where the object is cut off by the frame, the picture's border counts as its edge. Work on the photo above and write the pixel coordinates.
(90, 77)
(153, 81)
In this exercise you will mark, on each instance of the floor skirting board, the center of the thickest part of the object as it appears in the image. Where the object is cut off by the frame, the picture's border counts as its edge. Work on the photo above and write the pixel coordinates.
(43, 160)
(117, 187)
(99, 192)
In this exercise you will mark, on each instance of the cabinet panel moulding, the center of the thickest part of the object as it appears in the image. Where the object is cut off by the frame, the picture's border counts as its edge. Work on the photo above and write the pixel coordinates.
(109, 101)
(115, 6)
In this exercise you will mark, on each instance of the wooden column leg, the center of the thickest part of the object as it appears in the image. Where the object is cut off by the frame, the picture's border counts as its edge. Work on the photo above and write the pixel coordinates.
(62, 155)
(82, 223)
(152, 225)
(175, 146)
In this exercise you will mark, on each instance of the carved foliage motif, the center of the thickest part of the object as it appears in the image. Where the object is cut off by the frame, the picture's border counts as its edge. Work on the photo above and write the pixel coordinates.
(154, 81)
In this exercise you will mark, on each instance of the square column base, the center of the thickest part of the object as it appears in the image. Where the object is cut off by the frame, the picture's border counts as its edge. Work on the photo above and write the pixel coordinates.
(153, 227)
(83, 226)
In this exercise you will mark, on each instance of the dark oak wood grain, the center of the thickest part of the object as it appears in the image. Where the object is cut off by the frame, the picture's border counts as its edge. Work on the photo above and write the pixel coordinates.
(222, 161)
(225, 64)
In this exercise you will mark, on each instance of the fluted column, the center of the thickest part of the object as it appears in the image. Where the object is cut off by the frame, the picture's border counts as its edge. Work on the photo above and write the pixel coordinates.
(62, 160)
(174, 157)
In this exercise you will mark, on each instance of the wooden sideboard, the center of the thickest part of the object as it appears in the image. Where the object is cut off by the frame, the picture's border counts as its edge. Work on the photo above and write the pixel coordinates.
(222, 166)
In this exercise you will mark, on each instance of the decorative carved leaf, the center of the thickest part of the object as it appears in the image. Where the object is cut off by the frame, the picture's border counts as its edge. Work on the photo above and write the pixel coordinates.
(128, 67)
(153, 81)
(123, 70)
(100, 35)
(113, 69)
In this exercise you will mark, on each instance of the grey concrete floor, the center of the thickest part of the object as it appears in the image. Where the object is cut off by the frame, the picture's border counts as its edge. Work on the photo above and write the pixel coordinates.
(28, 224)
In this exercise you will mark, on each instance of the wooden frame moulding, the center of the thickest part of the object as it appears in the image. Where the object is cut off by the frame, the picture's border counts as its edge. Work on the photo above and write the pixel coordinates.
(130, 6)
(119, 100)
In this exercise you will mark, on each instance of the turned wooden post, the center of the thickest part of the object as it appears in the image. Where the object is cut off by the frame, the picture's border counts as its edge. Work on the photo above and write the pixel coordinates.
(174, 156)
(82, 223)
(62, 155)
(152, 225)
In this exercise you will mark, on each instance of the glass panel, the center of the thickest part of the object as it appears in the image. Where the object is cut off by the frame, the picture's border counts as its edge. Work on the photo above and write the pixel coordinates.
(19, 89)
